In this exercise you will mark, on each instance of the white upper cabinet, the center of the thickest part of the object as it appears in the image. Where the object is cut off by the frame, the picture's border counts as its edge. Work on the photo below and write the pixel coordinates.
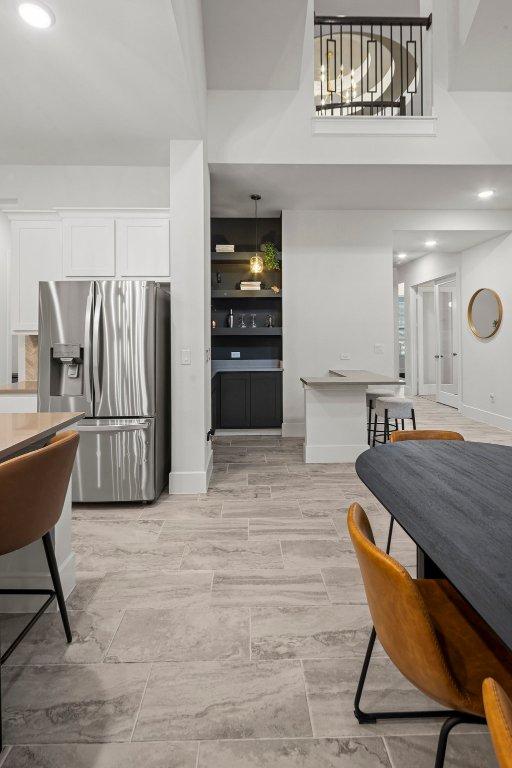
(142, 247)
(89, 247)
(36, 255)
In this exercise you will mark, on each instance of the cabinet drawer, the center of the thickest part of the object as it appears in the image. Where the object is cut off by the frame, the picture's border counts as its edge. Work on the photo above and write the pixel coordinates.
(235, 391)
(266, 399)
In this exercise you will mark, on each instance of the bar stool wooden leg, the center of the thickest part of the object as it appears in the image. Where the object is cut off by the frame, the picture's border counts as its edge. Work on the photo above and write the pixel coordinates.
(54, 573)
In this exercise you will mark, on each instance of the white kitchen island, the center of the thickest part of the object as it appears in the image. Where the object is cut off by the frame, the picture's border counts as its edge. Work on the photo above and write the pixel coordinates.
(335, 414)
(27, 568)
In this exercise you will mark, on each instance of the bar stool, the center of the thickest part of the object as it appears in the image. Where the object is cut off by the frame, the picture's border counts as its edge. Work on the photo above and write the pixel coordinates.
(33, 488)
(371, 396)
(392, 408)
(430, 633)
(498, 711)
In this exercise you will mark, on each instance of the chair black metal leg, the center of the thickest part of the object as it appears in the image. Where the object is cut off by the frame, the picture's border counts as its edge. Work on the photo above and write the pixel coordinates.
(54, 572)
(386, 426)
(363, 717)
(390, 534)
(374, 431)
(448, 724)
(413, 417)
(403, 425)
(369, 422)
(396, 424)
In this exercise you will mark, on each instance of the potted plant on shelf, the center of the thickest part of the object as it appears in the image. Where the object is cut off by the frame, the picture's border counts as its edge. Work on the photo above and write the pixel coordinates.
(270, 256)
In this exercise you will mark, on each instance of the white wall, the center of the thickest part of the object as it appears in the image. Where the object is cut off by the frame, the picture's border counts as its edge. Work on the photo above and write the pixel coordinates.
(275, 126)
(337, 297)
(96, 186)
(486, 364)
(190, 382)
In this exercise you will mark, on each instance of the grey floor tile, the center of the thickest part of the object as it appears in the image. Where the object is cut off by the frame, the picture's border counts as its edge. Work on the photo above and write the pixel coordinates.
(240, 492)
(268, 587)
(182, 634)
(292, 529)
(153, 589)
(215, 700)
(294, 753)
(324, 508)
(313, 632)
(110, 546)
(134, 755)
(331, 685)
(344, 585)
(261, 508)
(71, 703)
(87, 584)
(225, 479)
(317, 553)
(106, 512)
(313, 490)
(243, 556)
(182, 510)
(46, 642)
(179, 530)
(465, 750)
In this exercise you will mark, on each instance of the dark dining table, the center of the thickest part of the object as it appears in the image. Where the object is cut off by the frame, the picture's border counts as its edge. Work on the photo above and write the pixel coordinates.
(454, 499)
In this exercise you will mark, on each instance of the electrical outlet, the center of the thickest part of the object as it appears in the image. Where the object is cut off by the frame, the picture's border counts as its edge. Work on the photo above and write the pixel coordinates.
(185, 357)
(492, 397)
(345, 356)
(235, 355)
(378, 349)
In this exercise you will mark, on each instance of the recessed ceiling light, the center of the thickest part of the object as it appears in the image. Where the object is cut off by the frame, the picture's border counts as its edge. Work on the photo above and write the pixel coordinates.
(401, 255)
(36, 14)
(485, 194)
(430, 243)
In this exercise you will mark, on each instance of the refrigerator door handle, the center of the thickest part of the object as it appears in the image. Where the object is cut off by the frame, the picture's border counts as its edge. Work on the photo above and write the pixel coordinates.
(113, 427)
(87, 347)
(96, 348)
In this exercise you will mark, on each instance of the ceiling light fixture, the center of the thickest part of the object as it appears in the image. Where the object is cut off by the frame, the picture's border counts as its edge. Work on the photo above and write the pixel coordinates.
(401, 255)
(36, 14)
(485, 194)
(430, 243)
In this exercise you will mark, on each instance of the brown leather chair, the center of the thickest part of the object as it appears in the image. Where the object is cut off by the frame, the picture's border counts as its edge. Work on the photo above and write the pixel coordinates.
(434, 637)
(424, 434)
(498, 711)
(33, 487)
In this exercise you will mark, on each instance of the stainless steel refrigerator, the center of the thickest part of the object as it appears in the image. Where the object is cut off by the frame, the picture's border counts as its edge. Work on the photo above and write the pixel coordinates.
(104, 348)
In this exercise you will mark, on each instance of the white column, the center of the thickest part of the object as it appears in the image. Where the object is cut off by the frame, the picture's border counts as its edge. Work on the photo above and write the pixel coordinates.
(190, 318)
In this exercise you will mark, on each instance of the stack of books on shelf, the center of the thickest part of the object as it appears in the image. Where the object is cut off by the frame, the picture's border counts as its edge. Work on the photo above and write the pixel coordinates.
(250, 285)
(224, 248)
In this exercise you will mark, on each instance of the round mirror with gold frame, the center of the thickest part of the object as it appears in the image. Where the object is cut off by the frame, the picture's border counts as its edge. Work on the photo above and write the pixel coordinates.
(485, 313)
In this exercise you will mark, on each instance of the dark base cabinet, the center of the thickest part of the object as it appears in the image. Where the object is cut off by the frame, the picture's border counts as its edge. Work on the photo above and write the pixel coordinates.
(245, 400)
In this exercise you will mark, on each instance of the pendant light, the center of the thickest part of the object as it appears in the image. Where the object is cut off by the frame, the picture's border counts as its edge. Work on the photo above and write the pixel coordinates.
(256, 262)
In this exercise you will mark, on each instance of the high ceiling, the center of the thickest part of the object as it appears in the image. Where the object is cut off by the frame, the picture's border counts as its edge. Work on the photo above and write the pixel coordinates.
(105, 85)
(357, 187)
(412, 243)
(253, 45)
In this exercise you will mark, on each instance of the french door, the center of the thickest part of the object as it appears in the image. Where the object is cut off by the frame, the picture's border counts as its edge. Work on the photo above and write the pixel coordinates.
(447, 359)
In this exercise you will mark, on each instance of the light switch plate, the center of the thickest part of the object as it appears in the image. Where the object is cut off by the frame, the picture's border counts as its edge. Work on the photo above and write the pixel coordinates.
(185, 357)
(378, 349)
(345, 356)
(235, 355)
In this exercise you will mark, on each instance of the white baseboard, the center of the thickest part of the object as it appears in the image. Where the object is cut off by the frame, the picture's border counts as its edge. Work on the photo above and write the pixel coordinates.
(487, 417)
(191, 482)
(293, 429)
(332, 454)
(39, 580)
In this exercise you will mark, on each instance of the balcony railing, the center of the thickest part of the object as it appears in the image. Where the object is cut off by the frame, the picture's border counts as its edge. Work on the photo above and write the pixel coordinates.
(370, 66)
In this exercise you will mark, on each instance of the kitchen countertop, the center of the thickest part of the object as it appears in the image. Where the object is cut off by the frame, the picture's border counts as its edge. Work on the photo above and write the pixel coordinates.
(21, 430)
(19, 388)
(337, 377)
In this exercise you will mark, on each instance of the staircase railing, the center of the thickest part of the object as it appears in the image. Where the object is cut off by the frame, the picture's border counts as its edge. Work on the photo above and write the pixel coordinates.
(371, 66)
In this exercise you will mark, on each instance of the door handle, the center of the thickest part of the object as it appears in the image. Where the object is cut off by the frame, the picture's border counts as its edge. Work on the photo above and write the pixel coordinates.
(87, 347)
(96, 348)
(112, 427)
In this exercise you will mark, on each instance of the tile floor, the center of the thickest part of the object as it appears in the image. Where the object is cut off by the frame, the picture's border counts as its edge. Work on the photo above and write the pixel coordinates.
(223, 631)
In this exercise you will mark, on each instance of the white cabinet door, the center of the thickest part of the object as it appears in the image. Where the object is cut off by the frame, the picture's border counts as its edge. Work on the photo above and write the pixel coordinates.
(89, 247)
(36, 255)
(143, 247)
